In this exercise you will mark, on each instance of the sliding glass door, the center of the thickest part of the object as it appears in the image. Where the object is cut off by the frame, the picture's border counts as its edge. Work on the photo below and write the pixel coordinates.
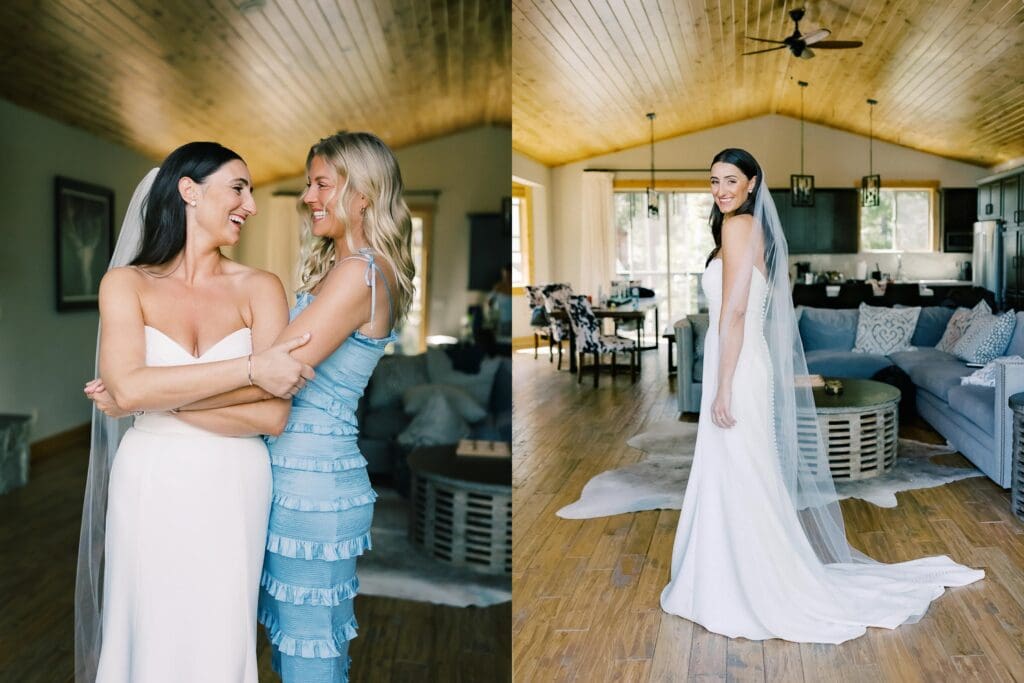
(665, 253)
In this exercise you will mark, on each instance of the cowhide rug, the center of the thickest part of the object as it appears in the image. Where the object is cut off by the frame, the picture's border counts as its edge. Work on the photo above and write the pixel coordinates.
(659, 480)
(396, 568)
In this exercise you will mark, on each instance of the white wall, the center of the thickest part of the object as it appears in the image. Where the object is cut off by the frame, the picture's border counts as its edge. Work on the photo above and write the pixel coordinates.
(472, 170)
(45, 356)
(530, 172)
(835, 158)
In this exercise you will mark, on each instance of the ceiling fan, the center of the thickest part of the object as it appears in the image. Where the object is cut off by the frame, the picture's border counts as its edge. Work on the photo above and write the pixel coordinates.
(799, 44)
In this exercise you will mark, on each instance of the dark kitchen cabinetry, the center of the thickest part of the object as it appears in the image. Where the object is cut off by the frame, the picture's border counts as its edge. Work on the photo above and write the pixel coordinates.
(958, 215)
(1002, 199)
(1013, 268)
(1013, 205)
(990, 201)
(828, 227)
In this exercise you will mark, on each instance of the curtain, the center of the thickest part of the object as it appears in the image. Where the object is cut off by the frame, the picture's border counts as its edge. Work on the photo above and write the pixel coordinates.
(597, 239)
(272, 244)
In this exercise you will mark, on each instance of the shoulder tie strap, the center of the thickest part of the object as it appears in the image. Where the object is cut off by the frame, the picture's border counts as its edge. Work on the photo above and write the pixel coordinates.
(370, 278)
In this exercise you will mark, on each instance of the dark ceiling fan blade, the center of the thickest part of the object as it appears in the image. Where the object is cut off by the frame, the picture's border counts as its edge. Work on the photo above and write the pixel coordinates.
(771, 49)
(838, 44)
(765, 40)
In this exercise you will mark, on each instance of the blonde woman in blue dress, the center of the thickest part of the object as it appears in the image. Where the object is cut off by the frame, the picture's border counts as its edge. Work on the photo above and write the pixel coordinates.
(356, 285)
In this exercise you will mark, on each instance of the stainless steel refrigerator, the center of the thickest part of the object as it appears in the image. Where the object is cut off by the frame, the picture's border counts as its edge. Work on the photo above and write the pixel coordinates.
(988, 257)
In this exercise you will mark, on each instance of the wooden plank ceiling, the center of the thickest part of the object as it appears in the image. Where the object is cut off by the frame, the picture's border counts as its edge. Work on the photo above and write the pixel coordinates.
(268, 81)
(949, 75)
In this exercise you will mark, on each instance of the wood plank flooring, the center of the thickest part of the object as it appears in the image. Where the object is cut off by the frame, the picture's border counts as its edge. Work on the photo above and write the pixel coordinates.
(585, 592)
(399, 640)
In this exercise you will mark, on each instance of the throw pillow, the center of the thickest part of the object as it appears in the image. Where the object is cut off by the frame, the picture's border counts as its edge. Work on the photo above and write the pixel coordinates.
(436, 424)
(417, 398)
(958, 324)
(884, 330)
(440, 371)
(392, 377)
(986, 338)
(986, 376)
(826, 329)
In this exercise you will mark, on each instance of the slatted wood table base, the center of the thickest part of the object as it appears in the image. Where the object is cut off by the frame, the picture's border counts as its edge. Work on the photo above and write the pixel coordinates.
(1017, 475)
(462, 522)
(860, 445)
(859, 429)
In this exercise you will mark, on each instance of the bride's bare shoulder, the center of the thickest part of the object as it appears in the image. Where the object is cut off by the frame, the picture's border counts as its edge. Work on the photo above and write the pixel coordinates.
(742, 223)
(254, 283)
(121, 277)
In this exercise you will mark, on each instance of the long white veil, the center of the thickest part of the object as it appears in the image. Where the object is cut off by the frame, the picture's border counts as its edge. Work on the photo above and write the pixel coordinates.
(106, 435)
(802, 455)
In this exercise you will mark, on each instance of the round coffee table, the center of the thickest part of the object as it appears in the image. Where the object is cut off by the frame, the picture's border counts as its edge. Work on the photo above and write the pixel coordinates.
(859, 428)
(462, 508)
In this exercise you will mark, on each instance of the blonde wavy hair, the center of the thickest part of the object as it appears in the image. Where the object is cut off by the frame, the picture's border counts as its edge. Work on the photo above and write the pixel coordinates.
(366, 166)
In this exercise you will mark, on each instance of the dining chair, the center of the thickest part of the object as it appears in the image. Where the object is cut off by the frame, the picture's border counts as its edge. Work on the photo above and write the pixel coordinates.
(590, 340)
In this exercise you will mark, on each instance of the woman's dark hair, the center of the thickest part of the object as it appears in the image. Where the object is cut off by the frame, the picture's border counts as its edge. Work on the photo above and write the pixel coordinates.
(163, 218)
(745, 161)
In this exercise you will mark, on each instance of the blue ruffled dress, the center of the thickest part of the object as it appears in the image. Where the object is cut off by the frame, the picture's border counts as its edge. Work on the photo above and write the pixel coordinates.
(321, 512)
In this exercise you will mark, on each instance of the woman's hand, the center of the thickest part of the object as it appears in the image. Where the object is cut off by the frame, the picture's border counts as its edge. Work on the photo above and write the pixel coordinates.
(99, 395)
(277, 372)
(721, 410)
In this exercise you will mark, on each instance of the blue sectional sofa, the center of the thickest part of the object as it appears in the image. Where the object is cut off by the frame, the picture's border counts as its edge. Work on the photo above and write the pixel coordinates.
(975, 419)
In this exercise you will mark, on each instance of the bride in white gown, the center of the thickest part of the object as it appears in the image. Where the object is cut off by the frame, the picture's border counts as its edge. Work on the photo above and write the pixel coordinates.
(761, 551)
(171, 553)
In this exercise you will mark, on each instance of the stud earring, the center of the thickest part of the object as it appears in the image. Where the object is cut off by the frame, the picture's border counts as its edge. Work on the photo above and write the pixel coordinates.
(193, 202)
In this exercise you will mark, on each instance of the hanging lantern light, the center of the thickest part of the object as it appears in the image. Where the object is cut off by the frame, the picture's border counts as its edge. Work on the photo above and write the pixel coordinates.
(802, 186)
(870, 185)
(652, 192)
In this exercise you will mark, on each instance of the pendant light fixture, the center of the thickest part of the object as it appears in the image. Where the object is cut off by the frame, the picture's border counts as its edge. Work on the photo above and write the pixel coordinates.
(870, 184)
(802, 186)
(652, 192)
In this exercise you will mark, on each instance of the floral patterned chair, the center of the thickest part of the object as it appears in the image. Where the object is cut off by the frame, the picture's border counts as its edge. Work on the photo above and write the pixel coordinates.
(540, 323)
(590, 340)
(556, 299)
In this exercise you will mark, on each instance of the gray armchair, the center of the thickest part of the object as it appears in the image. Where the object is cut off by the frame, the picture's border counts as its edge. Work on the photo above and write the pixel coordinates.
(690, 332)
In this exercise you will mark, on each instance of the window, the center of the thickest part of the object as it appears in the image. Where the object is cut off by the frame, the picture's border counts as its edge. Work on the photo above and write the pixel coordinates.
(903, 221)
(412, 336)
(667, 253)
(522, 249)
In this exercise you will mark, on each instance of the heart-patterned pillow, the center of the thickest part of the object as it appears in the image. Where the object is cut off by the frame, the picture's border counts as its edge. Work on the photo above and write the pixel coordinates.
(884, 330)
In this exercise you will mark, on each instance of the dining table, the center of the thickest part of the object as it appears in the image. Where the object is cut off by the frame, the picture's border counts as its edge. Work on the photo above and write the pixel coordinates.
(627, 311)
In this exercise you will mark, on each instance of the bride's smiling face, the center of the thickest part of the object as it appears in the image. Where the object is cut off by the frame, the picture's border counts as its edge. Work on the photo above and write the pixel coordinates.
(223, 202)
(730, 187)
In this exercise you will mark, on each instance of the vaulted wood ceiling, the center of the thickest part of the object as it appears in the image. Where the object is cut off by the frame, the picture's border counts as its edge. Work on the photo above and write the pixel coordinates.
(948, 75)
(267, 82)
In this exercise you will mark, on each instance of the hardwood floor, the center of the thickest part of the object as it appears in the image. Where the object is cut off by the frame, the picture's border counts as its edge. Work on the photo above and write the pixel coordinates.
(399, 640)
(585, 592)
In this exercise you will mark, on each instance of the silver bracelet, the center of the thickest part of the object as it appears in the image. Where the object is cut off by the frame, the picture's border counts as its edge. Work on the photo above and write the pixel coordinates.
(250, 370)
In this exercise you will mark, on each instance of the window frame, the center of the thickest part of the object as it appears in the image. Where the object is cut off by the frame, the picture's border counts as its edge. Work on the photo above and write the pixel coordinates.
(525, 196)
(929, 186)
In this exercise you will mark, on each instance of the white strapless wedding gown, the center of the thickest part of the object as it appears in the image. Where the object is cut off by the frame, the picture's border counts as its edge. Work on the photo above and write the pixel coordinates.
(741, 563)
(186, 527)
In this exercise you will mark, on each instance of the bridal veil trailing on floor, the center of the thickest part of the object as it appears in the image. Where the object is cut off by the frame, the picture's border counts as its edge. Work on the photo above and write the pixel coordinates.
(761, 551)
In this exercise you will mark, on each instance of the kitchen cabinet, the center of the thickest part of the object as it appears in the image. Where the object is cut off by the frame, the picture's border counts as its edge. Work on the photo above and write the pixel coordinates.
(828, 227)
(958, 215)
(1013, 207)
(1013, 272)
(990, 201)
